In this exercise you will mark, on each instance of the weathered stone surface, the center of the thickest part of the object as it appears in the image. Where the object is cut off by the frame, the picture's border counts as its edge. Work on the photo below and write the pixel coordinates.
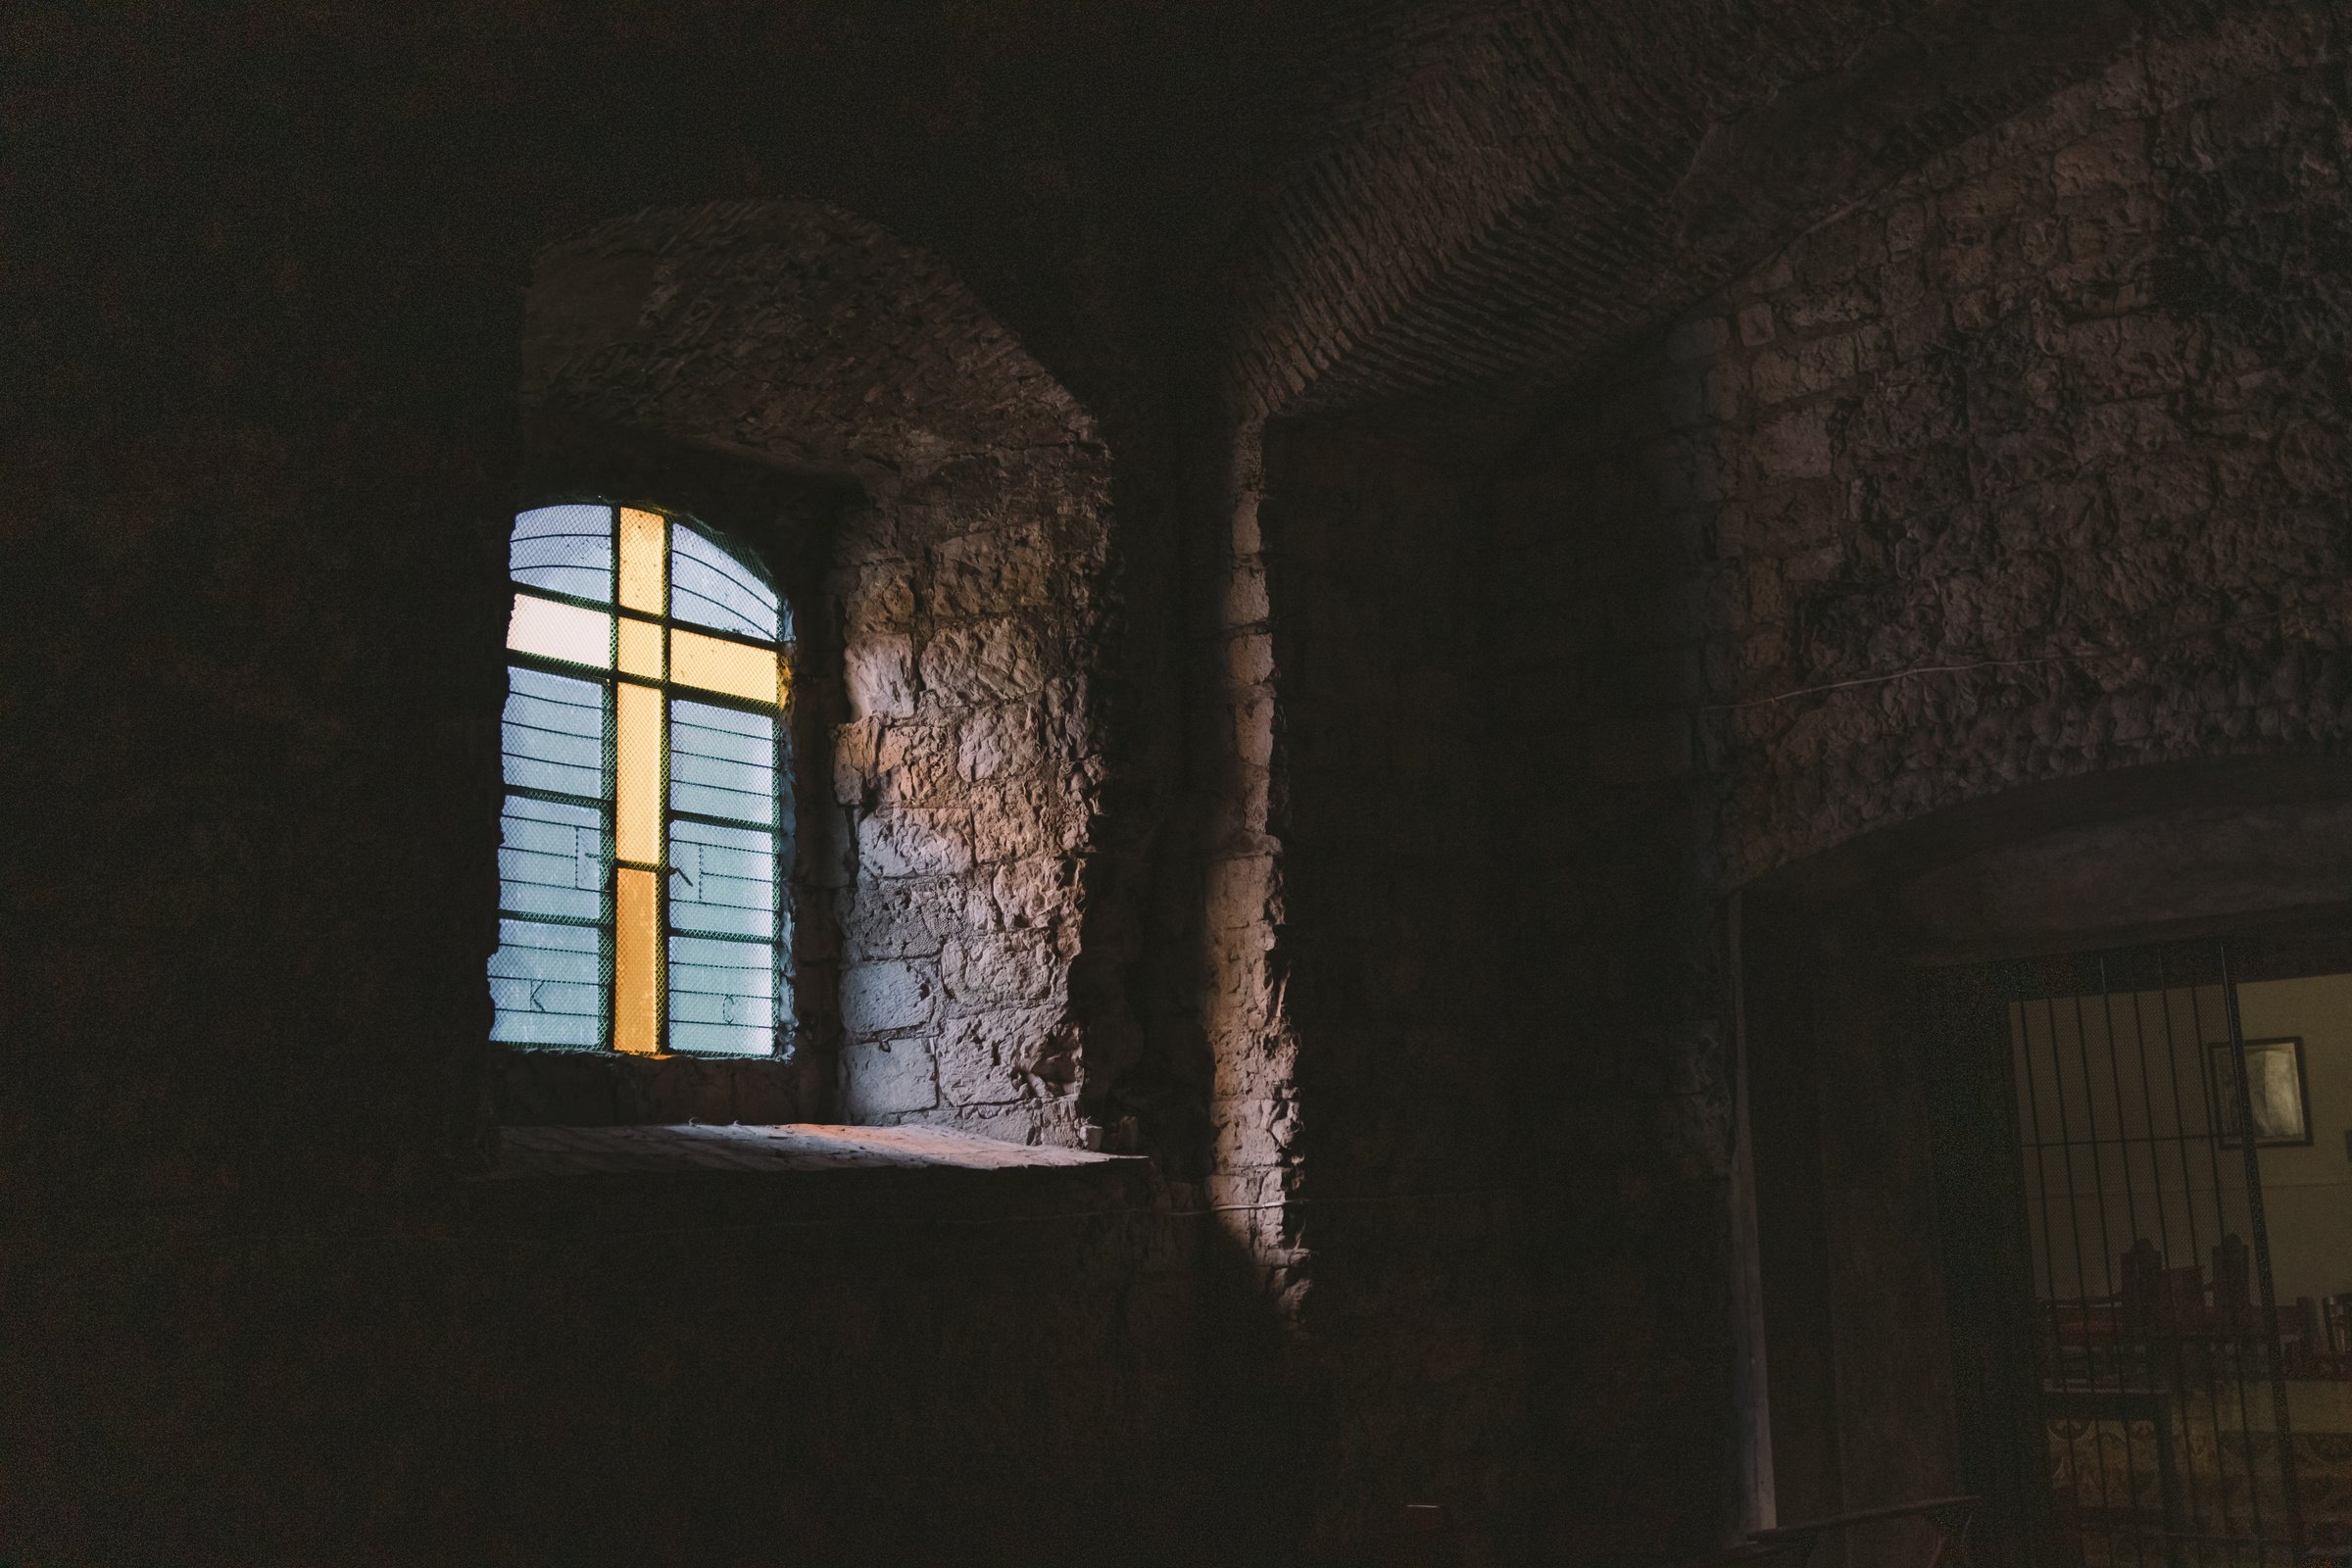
(878, 674)
(1008, 968)
(915, 841)
(888, 1078)
(879, 997)
(1331, 829)
(994, 660)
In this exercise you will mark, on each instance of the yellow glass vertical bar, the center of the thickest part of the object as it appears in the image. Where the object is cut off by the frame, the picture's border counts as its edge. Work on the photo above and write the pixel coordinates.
(636, 962)
(644, 542)
(637, 776)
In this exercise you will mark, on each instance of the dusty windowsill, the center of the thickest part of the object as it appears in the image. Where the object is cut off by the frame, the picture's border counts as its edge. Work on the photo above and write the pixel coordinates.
(547, 1151)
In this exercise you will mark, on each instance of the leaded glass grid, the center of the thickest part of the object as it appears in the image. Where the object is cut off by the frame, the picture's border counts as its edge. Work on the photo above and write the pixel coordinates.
(647, 832)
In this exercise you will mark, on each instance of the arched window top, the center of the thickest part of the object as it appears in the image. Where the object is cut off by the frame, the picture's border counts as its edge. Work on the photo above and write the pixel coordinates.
(568, 551)
(647, 825)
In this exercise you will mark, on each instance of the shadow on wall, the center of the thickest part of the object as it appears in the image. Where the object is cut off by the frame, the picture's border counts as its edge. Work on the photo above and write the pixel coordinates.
(953, 806)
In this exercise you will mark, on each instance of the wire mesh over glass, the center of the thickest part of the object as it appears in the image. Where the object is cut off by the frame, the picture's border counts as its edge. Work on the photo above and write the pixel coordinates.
(646, 834)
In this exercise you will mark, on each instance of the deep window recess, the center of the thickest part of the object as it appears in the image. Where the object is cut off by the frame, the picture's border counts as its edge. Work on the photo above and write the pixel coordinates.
(647, 830)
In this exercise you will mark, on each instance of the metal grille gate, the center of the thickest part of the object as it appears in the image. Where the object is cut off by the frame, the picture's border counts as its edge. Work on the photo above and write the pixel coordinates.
(2148, 1422)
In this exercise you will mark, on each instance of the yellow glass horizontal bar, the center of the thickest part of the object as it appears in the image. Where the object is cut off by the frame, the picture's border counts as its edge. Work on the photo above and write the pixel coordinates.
(756, 675)
(636, 962)
(637, 774)
(640, 647)
(644, 550)
(555, 630)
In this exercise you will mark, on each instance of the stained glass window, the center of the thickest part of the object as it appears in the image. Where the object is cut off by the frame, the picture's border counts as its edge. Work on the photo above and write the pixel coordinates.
(647, 828)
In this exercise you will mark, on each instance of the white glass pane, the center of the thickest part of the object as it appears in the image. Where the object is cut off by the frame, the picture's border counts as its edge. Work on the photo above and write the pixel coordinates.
(551, 858)
(722, 996)
(553, 735)
(564, 550)
(722, 880)
(547, 984)
(722, 762)
(569, 632)
(710, 587)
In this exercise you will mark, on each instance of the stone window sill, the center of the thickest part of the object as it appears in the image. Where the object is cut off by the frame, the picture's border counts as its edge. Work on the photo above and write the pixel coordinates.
(555, 1152)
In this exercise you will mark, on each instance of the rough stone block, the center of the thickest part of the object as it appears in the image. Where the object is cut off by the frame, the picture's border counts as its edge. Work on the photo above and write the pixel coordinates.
(993, 660)
(1001, 969)
(887, 1077)
(1023, 817)
(901, 917)
(1033, 892)
(1245, 603)
(1003, 1055)
(1248, 659)
(878, 674)
(879, 997)
(1242, 893)
(856, 749)
(913, 841)
(916, 765)
(877, 598)
(1794, 446)
(991, 573)
(992, 742)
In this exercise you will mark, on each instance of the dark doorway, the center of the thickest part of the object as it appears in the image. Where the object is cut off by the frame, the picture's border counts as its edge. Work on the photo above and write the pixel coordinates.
(1908, 1042)
(2121, 1387)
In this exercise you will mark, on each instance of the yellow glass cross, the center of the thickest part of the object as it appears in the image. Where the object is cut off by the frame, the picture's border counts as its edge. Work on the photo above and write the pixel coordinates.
(647, 654)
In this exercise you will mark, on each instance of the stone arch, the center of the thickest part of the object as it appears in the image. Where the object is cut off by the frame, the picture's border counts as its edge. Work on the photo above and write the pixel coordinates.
(956, 576)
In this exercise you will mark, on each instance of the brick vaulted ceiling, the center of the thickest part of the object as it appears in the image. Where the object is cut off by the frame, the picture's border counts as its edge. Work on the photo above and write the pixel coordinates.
(1487, 195)
(1315, 204)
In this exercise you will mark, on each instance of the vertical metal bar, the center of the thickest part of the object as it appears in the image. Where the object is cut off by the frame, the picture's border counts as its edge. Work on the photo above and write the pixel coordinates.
(2030, 1468)
(2098, 1179)
(2074, 1220)
(2213, 1149)
(2195, 1245)
(2237, 1371)
(2164, 1225)
(2049, 1255)
(2281, 1431)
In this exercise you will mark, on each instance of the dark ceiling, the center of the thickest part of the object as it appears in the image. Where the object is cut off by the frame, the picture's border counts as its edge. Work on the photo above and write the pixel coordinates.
(1298, 204)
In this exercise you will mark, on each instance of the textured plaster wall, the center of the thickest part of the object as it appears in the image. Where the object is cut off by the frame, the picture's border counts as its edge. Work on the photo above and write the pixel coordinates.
(949, 653)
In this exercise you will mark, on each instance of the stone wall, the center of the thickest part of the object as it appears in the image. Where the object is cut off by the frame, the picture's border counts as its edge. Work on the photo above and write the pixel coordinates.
(1394, 1142)
(2025, 467)
(948, 648)
(852, 1366)
(2062, 407)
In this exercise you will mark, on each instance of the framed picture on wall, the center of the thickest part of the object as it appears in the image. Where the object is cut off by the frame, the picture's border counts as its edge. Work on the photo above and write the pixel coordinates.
(2275, 1091)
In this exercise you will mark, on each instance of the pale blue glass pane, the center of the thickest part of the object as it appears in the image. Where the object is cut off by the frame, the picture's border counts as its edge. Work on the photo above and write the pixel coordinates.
(708, 587)
(722, 880)
(551, 858)
(553, 735)
(722, 996)
(567, 550)
(547, 984)
(722, 762)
